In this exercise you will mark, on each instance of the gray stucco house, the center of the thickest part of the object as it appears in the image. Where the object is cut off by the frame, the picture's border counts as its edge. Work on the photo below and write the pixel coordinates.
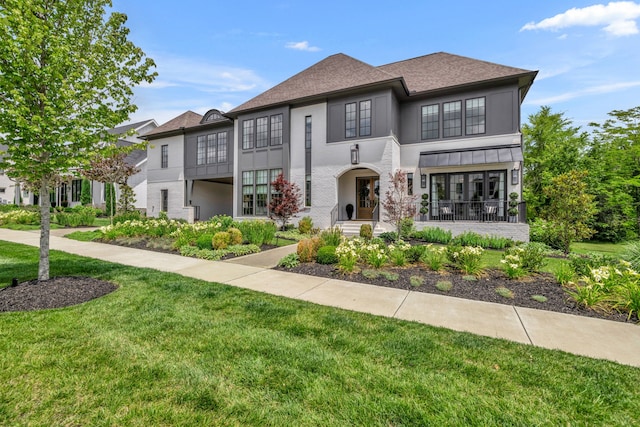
(339, 128)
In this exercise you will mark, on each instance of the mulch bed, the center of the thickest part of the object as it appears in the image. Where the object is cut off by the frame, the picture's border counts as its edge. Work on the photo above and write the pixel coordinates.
(53, 293)
(482, 289)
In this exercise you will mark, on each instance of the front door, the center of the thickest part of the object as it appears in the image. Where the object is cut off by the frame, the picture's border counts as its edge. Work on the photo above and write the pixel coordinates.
(367, 190)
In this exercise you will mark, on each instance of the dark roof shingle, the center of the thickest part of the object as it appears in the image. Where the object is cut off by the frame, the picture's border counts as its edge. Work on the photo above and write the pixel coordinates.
(184, 120)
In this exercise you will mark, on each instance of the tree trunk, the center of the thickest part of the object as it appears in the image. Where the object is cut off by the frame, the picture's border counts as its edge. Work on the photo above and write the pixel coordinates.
(45, 225)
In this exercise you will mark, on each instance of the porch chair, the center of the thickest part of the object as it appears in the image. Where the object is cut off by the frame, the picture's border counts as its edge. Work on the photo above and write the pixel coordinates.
(490, 212)
(446, 209)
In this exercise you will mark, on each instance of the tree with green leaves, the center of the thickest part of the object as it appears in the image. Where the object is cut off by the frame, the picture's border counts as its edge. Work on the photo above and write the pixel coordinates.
(614, 162)
(67, 70)
(552, 146)
(85, 192)
(571, 208)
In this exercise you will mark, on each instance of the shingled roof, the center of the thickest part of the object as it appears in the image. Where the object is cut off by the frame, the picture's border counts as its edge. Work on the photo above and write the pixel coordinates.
(341, 72)
(333, 74)
(442, 70)
(184, 120)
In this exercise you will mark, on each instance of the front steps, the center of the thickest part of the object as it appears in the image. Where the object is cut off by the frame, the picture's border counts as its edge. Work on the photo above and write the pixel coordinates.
(352, 228)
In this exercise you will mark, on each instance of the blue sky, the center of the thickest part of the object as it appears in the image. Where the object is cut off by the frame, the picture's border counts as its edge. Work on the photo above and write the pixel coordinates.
(219, 54)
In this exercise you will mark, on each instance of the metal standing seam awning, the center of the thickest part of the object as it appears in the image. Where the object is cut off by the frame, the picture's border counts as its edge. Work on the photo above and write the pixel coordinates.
(505, 154)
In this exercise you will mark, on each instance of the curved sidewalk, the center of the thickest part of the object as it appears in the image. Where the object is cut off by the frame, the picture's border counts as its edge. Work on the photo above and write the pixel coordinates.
(601, 339)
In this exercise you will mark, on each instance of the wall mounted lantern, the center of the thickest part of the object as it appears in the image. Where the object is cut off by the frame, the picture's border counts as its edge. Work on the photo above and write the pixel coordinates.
(355, 154)
(515, 176)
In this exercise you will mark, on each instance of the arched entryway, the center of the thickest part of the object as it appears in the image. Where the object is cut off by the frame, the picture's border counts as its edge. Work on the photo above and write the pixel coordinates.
(359, 194)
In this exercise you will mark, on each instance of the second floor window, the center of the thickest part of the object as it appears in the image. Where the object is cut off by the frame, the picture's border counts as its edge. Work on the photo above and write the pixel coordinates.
(350, 120)
(211, 148)
(222, 147)
(365, 118)
(307, 132)
(475, 116)
(164, 156)
(262, 132)
(276, 129)
(247, 134)
(430, 121)
(452, 119)
(201, 150)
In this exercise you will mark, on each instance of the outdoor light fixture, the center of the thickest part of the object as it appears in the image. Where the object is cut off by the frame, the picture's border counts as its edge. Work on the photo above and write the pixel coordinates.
(515, 176)
(355, 154)
(423, 180)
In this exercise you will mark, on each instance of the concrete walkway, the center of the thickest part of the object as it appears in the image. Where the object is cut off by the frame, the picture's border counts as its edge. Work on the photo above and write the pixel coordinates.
(601, 339)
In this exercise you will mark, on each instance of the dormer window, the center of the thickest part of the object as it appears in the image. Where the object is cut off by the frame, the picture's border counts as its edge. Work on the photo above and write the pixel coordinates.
(212, 116)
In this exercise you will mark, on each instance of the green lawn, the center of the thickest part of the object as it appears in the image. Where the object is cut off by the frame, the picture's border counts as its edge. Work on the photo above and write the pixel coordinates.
(167, 350)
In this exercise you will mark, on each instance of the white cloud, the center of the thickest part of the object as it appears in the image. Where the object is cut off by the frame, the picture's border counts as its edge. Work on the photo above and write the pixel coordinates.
(174, 71)
(617, 18)
(594, 90)
(304, 45)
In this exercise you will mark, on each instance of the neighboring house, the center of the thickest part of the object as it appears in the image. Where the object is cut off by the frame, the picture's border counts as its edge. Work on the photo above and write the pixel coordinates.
(138, 182)
(339, 128)
(7, 186)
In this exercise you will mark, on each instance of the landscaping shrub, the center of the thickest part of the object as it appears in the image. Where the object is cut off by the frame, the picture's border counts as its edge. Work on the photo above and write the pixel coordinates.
(305, 225)
(327, 255)
(76, 216)
(406, 228)
(20, 216)
(308, 249)
(127, 216)
(521, 260)
(471, 238)
(632, 254)
(546, 232)
(415, 252)
(389, 236)
(289, 261)
(331, 236)
(348, 254)
(433, 235)
(366, 232)
(374, 253)
(235, 236)
(434, 257)
(222, 222)
(221, 240)
(257, 232)
(205, 241)
(466, 258)
(398, 253)
(583, 264)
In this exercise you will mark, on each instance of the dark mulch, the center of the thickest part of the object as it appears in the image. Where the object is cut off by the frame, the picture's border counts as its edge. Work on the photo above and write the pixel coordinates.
(483, 289)
(53, 293)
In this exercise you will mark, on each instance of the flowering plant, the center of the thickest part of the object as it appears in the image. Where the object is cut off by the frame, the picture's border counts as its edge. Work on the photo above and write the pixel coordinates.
(466, 258)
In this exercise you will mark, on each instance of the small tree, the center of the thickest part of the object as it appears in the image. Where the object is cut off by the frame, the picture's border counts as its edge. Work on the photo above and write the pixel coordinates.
(85, 192)
(127, 199)
(109, 170)
(285, 203)
(398, 205)
(571, 208)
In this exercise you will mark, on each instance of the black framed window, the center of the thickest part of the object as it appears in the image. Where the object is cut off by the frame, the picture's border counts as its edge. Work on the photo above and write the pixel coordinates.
(431, 121)
(452, 119)
(76, 190)
(247, 193)
(307, 190)
(478, 186)
(211, 148)
(247, 134)
(164, 156)
(222, 147)
(410, 184)
(307, 132)
(365, 118)
(262, 192)
(262, 132)
(475, 116)
(350, 120)
(201, 150)
(276, 129)
(164, 200)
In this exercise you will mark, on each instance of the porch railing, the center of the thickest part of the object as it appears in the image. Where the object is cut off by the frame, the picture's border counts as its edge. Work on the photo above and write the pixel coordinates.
(334, 214)
(479, 211)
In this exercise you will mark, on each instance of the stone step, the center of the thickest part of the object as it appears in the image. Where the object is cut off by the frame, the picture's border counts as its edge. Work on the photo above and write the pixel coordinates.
(352, 228)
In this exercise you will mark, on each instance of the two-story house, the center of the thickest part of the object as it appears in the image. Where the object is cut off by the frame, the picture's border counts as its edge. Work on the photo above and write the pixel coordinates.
(340, 127)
